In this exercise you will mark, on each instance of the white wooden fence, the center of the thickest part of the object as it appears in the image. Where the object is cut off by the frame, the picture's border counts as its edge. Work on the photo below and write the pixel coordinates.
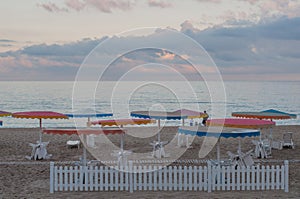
(178, 178)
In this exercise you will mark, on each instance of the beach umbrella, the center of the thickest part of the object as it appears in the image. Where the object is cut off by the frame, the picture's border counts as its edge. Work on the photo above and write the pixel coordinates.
(162, 115)
(190, 113)
(241, 123)
(40, 115)
(4, 114)
(219, 132)
(85, 132)
(122, 122)
(88, 115)
(271, 114)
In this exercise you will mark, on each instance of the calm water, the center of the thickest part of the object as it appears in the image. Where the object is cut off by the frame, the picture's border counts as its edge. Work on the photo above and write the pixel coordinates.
(123, 97)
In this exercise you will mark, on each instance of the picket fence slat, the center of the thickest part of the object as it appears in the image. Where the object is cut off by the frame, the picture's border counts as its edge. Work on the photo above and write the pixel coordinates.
(132, 178)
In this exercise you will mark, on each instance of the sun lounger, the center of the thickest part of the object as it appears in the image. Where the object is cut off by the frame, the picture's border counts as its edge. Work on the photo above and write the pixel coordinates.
(183, 140)
(159, 149)
(277, 145)
(262, 148)
(246, 158)
(235, 159)
(122, 157)
(90, 141)
(39, 151)
(288, 140)
(73, 143)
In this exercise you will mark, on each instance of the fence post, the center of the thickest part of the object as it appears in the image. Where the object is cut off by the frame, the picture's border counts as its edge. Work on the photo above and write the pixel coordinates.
(286, 176)
(209, 174)
(130, 176)
(51, 177)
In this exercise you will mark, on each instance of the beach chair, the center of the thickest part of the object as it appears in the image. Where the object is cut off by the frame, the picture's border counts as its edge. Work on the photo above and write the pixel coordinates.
(90, 141)
(122, 160)
(73, 144)
(257, 148)
(159, 149)
(288, 140)
(277, 145)
(246, 158)
(262, 148)
(39, 151)
(235, 159)
(266, 144)
(183, 140)
(180, 140)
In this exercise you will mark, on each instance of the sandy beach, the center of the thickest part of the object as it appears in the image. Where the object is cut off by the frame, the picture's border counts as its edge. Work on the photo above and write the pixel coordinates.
(22, 178)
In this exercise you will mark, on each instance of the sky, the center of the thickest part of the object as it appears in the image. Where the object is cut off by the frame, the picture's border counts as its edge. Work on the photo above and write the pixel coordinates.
(245, 39)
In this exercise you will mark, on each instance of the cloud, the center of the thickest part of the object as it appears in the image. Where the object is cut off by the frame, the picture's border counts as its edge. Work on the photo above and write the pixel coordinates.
(165, 55)
(252, 2)
(258, 49)
(160, 4)
(209, 1)
(106, 6)
(7, 41)
(273, 8)
(75, 4)
(45, 62)
(51, 7)
(188, 26)
(267, 47)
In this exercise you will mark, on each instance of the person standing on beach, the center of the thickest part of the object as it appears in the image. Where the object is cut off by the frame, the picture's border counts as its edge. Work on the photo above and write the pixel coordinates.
(205, 117)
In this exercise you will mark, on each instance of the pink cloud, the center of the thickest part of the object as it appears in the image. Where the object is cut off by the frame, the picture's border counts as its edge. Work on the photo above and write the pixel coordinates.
(166, 55)
(161, 4)
(25, 61)
(105, 6)
(126, 59)
(6, 63)
(108, 5)
(51, 7)
(210, 1)
(40, 61)
(75, 4)
(250, 1)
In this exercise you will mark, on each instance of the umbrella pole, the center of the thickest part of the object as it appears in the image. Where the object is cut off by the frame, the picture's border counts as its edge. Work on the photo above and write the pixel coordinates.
(218, 150)
(240, 148)
(40, 135)
(40, 130)
(158, 135)
(84, 152)
(84, 156)
(182, 122)
(260, 134)
(122, 142)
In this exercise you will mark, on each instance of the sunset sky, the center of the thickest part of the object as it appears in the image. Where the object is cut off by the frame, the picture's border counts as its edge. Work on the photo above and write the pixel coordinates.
(246, 39)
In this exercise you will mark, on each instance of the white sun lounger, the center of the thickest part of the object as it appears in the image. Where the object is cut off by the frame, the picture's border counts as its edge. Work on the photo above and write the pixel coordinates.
(39, 151)
(73, 143)
(288, 140)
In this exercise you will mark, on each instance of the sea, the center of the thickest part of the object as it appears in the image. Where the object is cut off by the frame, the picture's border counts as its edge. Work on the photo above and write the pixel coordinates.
(219, 99)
